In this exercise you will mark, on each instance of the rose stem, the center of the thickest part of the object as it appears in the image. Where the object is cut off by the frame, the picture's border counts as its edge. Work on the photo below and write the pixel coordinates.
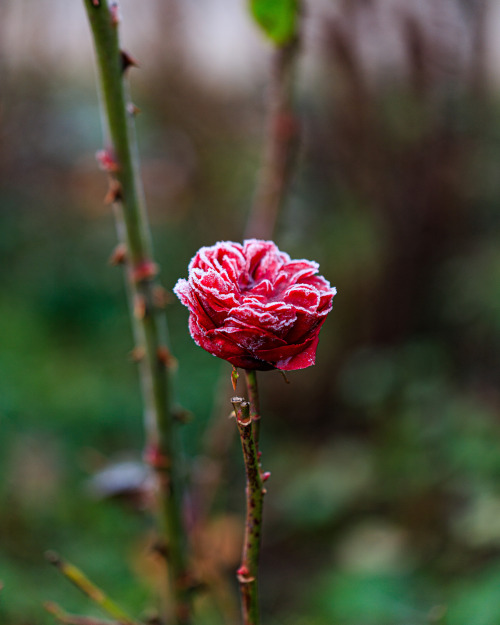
(93, 592)
(143, 290)
(73, 619)
(253, 398)
(248, 571)
(281, 144)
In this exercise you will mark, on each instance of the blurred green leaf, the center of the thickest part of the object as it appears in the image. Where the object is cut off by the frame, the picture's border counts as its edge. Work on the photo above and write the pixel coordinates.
(277, 18)
(368, 599)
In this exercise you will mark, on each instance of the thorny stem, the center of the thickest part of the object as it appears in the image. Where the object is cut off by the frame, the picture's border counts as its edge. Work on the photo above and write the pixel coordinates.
(248, 572)
(93, 592)
(253, 398)
(281, 147)
(144, 294)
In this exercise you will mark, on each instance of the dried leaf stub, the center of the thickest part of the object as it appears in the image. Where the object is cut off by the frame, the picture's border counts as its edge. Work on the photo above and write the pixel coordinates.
(234, 377)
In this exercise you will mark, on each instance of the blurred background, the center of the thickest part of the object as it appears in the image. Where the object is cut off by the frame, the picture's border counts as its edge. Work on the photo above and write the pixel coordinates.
(384, 502)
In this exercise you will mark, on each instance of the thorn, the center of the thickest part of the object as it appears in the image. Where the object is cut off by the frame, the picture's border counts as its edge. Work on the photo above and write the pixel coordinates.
(115, 14)
(144, 270)
(119, 255)
(156, 459)
(137, 354)
(265, 476)
(243, 575)
(96, 3)
(264, 491)
(132, 109)
(259, 455)
(140, 307)
(114, 193)
(161, 297)
(165, 357)
(284, 376)
(107, 161)
(234, 377)
(127, 61)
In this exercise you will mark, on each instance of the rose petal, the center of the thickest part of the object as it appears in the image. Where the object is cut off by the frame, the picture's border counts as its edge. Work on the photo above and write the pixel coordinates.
(255, 307)
(292, 357)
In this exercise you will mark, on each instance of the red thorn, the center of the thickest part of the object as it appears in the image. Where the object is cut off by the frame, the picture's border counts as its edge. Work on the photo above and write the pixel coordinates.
(127, 61)
(96, 3)
(144, 270)
(156, 459)
(132, 109)
(266, 476)
(115, 15)
(243, 575)
(119, 255)
(259, 454)
(107, 161)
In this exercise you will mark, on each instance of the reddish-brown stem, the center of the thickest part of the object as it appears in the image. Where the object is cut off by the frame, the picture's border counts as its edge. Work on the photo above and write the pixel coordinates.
(248, 572)
(281, 147)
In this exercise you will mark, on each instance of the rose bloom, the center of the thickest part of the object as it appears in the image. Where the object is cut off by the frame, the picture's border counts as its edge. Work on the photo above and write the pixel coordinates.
(253, 306)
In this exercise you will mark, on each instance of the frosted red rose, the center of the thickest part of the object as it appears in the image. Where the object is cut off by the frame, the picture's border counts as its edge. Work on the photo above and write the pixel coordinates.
(252, 305)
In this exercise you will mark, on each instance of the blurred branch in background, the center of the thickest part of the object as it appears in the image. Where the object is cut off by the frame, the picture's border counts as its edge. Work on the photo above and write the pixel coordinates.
(282, 139)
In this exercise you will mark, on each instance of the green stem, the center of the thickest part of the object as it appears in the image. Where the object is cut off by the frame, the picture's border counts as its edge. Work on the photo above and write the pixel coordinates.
(249, 569)
(73, 619)
(93, 592)
(143, 289)
(253, 398)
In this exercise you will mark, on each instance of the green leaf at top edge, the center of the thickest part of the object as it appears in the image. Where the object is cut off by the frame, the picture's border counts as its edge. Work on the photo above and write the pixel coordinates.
(277, 18)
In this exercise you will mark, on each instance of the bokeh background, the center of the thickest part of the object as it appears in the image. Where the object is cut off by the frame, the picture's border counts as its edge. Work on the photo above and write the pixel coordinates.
(384, 502)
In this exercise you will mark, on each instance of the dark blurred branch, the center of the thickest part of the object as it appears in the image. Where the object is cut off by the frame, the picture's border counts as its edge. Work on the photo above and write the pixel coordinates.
(119, 159)
(281, 144)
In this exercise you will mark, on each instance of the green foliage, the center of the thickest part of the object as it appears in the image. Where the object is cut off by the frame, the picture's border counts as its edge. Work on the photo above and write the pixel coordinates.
(277, 18)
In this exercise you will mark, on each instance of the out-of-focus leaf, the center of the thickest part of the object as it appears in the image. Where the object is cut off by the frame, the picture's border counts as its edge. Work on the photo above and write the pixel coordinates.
(352, 599)
(277, 18)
